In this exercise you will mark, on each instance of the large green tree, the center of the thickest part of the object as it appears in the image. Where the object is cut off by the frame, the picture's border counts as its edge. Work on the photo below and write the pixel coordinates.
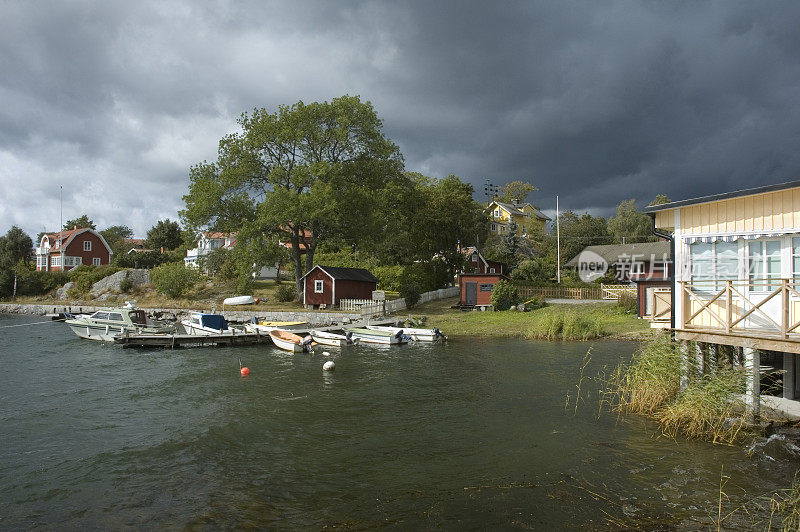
(444, 218)
(305, 174)
(630, 225)
(15, 247)
(515, 191)
(80, 222)
(115, 236)
(164, 234)
(579, 231)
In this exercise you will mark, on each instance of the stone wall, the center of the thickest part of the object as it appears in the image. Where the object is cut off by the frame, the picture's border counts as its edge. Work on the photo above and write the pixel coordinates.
(236, 316)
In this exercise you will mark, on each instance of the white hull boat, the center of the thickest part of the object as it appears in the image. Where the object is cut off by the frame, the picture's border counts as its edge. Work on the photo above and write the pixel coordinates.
(104, 325)
(291, 342)
(201, 324)
(417, 335)
(332, 339)
(239, 300)
(371, 336)
(265, 327)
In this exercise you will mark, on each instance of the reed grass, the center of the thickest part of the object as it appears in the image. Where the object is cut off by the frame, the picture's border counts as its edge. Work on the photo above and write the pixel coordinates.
(707, 407)
(787, 504)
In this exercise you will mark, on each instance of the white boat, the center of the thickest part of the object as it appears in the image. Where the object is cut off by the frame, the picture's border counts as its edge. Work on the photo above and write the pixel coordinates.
(265, 327)
(202, 324)
(333, 339)
(417, 335)
(104, 325)
(239, 300)
(371, 336)
(290, 341)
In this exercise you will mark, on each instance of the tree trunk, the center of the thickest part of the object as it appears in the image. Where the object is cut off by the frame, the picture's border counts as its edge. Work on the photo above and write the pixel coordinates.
(298, 263)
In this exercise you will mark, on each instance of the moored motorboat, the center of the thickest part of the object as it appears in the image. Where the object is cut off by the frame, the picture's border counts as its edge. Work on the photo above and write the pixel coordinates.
(371, 336)
(104, 325)
(416, 334)
(291, 342)
(332, 339)
(200, 323)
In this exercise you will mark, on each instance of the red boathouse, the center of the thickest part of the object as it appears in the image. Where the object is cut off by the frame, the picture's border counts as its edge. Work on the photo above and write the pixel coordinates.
(327, 285)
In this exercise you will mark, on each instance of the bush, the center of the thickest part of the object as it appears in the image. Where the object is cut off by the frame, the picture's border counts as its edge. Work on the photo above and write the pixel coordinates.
(504, 295)
(535, 303)
(145, 259)
(85, 276)
(537, 271)
(125, 285)
(628, 303)
(411, 292)
(286, 293)
(173, 279)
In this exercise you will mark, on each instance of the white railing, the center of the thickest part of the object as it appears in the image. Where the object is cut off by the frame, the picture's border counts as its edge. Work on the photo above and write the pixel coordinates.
(369, 308)
(616, 291)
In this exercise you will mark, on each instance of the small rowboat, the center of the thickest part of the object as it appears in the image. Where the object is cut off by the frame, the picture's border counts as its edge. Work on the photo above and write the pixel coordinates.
(239, 300)
(290, 341)
(329, 338)
(417, 335)
(265, 327)
(377, 337)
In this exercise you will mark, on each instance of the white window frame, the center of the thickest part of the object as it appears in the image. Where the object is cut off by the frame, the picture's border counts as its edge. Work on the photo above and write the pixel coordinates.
(319, 286)
(96, 261)
(714, 280)
(87, 245)
(769, 281)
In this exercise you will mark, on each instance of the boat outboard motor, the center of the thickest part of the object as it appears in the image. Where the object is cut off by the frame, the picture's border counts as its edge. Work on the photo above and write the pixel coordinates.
(349, 336)
(306, 343)
(439, 334)
(253, 320)
(399, 334)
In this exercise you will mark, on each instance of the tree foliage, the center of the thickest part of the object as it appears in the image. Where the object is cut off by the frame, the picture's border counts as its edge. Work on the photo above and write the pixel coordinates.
(16, 249)
(577, 232)
(307, 173)
(173, 279)
(660, 199)
(115, 236)
(79, 223)
(630, 225)
(164, 234)
(515, 191)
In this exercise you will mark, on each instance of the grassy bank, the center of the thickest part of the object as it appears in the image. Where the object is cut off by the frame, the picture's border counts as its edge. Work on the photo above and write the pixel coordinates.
(553, 322)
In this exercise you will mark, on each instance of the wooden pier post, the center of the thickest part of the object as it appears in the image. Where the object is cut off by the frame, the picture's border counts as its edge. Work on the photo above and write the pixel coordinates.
(752, 364)
(789, 363)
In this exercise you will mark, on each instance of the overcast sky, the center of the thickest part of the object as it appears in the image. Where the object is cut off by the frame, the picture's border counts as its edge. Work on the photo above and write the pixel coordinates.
(596, 101)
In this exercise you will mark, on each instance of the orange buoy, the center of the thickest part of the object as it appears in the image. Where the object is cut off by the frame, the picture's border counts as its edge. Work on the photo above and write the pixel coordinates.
(244, 371)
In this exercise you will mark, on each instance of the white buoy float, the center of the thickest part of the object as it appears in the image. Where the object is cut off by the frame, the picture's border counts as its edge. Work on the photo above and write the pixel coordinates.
(328, 366)
(325, 353)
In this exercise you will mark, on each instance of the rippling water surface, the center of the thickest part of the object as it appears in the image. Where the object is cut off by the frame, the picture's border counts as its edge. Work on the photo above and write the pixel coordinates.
(473, 434)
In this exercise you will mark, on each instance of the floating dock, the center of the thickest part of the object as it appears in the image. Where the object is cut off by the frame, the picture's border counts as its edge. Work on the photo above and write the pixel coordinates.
(195, 340)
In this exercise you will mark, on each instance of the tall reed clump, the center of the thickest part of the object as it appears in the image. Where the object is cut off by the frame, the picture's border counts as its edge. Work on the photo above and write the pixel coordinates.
(569, 326)
(707, 407)
(787, 504)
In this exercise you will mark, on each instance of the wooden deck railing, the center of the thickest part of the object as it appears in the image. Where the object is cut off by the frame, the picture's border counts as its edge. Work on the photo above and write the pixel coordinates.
(769, 306)
(604, 291)
(661, 305)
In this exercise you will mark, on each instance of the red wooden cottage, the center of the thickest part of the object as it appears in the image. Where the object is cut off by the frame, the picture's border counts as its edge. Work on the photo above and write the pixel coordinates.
(476, 288)
(69, 249)
(327, 285)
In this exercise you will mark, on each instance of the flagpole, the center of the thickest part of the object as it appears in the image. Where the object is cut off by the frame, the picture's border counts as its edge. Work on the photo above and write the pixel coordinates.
(558, 246)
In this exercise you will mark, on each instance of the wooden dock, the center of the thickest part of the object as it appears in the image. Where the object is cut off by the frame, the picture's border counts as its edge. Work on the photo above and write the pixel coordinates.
(186, 340)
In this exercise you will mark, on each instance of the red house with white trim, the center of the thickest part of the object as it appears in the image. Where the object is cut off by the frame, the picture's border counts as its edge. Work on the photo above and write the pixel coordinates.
(68, 249)
(327, 285)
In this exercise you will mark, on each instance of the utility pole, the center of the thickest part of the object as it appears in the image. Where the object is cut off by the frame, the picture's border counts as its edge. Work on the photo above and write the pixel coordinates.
(558, 246)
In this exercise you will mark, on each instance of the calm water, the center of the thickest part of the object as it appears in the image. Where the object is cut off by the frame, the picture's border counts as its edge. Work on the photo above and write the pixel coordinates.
(473, 434)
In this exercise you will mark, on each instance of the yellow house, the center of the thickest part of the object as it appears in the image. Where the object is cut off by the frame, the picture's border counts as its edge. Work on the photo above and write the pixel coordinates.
(737, 275)
(529, 219)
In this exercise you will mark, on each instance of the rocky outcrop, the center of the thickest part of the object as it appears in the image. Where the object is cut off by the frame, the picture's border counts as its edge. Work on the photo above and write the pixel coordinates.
(61, 293)
(114, 283)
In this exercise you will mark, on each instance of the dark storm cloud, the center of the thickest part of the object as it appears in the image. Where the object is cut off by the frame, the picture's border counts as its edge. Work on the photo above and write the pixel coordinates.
(596, 102)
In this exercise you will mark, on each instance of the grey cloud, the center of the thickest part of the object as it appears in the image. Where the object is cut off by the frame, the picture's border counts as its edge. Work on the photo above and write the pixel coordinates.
(595, 102)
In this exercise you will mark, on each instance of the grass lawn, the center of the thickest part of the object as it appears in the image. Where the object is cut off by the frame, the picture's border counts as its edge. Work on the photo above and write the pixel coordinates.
(579, 321)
